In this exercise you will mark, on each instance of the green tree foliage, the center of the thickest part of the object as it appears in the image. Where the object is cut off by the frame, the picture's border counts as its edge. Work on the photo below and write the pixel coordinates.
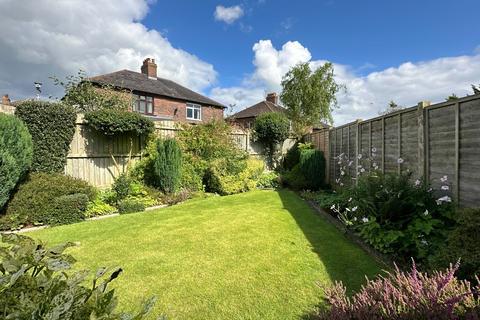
(35, 199)
(37, 283)
(391, 108)
(167, 166)
(312, 166)
(51, 126)
(309, 96)
(271, 129)
(112, 121)
(451, 97)
(84, 96)
(15, 154)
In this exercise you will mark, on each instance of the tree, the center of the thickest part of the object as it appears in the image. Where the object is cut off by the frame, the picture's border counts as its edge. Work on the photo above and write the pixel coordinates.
(451, 97)
(309, 96)
(476, 89)
(167, 166)
(270, 129)
(392, 107)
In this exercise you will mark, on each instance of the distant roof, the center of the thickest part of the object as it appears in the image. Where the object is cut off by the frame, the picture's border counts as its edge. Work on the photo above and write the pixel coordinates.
(137, 81)
(258, 109)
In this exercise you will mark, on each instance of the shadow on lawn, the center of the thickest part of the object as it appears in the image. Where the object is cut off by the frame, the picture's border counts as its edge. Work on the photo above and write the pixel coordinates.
(343, 260)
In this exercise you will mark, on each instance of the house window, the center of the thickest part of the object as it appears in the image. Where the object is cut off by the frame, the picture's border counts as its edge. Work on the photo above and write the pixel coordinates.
(143, 104)
(194, 111)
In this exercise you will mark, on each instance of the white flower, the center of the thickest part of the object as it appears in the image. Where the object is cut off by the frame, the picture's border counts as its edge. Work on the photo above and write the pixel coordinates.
(444, 179)
(350, 163)
(374, 149)
(417, 182)
(349, 199)
(425, 213)
(364, 219)
(354, 218)
(354, 209)
(359, 156)
(362, 170)
(339, 162)
(429, 190)
(337, 180)
(445, 188)
(444, 199)
(424, 242)
(341, 184)
(348, 209)
(332, 207)
(399, 160)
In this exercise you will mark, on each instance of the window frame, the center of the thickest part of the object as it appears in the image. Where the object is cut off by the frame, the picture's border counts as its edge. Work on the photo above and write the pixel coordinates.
(138, 99)
(193, 106)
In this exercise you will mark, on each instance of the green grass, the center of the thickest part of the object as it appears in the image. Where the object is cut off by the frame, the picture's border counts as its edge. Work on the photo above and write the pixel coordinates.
(256, 255)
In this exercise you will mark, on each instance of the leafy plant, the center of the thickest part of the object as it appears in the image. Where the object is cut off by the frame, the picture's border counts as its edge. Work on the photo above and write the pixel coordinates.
(292, 157)
(15, 154)
(114, 121)
(462, 244)
(99, 207)
(268, 180)
(131, 205)
(405, 295)
(36, 198)
(271, 129)
(312, 166)
(122, 186)
(36, 282)
(51, 126)
(166, 166)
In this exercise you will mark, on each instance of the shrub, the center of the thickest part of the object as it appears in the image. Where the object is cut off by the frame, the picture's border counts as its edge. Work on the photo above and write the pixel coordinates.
(68, 209)
(177, 197)
(167, 164)
(295, 179)
(130, 205)
(191, 176)
(38, 283)
(405, 295)
(51, 126)
(219, 180)
(116, 121)
(122, 186)
(268, 180)
(462, 243)
(271, 129)
(98, 207)
(35, 199)
(312, 166)
(292, 158)
(15, 154)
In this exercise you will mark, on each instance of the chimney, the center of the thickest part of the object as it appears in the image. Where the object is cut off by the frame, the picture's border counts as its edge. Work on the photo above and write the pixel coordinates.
(149, 68)
(6, 100)
(272, 97)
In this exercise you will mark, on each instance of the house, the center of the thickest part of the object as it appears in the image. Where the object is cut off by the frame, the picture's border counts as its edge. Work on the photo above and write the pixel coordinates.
(162, 99)
(245, 118)
(6, 106)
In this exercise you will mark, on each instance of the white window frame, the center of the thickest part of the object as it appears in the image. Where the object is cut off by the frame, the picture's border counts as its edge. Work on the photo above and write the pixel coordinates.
(193, 107)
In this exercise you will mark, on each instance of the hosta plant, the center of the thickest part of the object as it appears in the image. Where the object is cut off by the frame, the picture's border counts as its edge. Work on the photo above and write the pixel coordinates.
(405, 295)
(36, 282)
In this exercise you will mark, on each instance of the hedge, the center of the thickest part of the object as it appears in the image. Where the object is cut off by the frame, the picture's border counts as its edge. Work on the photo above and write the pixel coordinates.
(113, 121)
(15, 154)
(51, 126)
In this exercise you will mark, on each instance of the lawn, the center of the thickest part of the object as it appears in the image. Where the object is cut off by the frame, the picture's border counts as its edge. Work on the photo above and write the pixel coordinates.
(256, 255)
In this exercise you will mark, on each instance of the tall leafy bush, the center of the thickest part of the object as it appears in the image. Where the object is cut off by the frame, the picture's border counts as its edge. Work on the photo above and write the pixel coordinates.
(166, 173)
(312, 166)
(51, 126)
(271, 129)
(15, 154)
(37, 282)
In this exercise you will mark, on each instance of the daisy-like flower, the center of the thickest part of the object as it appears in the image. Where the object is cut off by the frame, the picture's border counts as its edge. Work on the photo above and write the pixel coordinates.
(417, 182)
(425, 213)
(429, 190)
(355, 219)
(400, 160)
(445, 199)
(332, 207)
(342, 173)
(445, 188)
(362, 170)
(350, 199)
(444, 179)
(359, 156)
(337, 180)
(424, 242)
(364, 219)
(354, 209)
(374, 150)
(341, 184)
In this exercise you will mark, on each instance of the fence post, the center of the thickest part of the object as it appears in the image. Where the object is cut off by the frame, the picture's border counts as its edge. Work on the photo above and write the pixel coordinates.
(357, 149)
(456, 189)
(422, 155)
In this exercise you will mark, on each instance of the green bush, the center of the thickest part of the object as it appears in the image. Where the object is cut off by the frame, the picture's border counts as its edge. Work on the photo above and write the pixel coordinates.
(268, 180)
(99, 207)
(116, 121)
(312, 166)
(271, 129)
(15, 154)
(166, 169)
(35, 199)
(130, 205)
(122, 186)
(37, 282)
(51, 126)
(295, 179)
(292, 158)
(191, 176)
(68, 209)
(462, 243)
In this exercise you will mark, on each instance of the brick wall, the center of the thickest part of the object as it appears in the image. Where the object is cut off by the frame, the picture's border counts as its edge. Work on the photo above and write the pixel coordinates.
(177, 110)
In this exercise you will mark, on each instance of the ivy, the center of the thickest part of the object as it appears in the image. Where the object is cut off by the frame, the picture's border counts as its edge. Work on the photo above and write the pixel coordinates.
(112, 122)
(51, 126)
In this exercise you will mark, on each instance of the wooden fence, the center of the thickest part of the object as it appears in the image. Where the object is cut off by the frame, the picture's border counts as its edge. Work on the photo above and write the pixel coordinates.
(432, 141)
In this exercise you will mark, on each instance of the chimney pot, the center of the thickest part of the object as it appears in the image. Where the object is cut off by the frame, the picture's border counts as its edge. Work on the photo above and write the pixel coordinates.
(272, 97)
(149, 68)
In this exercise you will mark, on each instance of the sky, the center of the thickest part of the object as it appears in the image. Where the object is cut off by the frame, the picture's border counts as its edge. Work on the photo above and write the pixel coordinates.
(237, 51)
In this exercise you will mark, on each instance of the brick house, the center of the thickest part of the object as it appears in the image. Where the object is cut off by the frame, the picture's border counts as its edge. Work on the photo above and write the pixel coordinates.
(162, 99)
(245, 118)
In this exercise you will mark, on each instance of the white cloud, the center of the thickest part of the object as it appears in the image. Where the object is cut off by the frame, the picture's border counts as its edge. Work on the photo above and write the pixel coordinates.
(228, 14)
(366, 96)
(41, 38)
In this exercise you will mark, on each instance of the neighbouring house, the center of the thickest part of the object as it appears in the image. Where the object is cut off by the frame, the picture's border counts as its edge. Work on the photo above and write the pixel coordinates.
(161, 98)
(245, 118)
(6, 106)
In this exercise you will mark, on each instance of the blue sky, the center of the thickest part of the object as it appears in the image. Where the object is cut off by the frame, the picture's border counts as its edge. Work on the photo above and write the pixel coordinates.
(237, 51)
